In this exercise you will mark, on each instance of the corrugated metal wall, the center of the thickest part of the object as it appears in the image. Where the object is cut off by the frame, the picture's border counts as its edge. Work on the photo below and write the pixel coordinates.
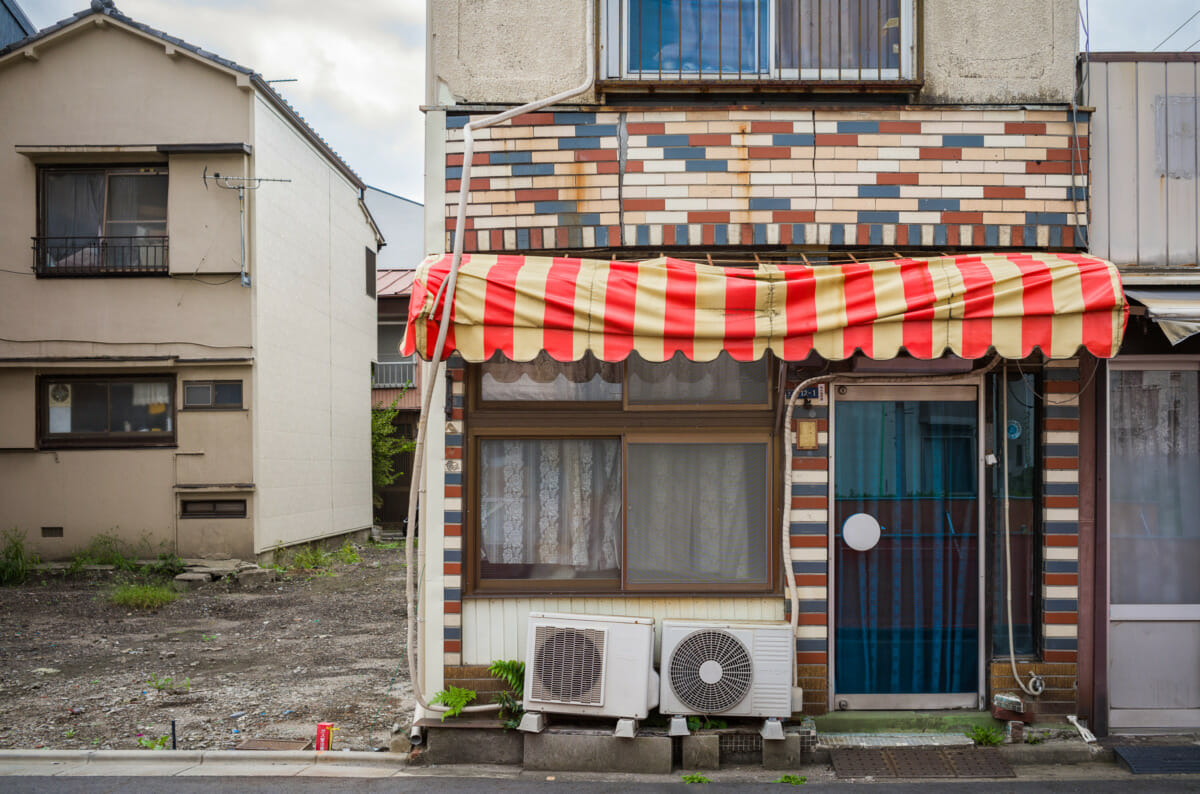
(1145, 193)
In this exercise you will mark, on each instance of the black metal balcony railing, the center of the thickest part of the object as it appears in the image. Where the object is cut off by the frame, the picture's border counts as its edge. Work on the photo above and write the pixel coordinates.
(100, 256)
(394, 374)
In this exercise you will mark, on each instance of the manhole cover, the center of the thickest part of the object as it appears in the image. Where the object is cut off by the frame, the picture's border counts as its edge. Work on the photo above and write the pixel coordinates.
(979, 763)
(860, 762)
(1150, 760)
(918, 762)
(275, 744)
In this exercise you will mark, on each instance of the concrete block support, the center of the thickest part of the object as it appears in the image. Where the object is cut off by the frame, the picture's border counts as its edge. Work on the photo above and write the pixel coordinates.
(589, 752)
(472, 746)
(782, 755)
(701, 752)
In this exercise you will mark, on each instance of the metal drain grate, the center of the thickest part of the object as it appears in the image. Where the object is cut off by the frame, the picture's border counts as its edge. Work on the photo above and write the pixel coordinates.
(1151, 760)
(918, 762)
(740, 748)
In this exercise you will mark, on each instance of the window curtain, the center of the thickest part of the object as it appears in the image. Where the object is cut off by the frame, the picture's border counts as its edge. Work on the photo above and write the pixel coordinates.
(907, 609)
(698, 36)
(151, 394)
(679, 380)
(552, 502)
(828, 34)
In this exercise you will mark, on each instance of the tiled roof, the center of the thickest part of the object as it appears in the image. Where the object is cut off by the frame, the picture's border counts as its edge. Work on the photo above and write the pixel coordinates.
(106, 8)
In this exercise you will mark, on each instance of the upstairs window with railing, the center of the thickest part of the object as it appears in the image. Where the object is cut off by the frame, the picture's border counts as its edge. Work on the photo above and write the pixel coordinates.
(102, 221)
(852, 41)
(393, 369)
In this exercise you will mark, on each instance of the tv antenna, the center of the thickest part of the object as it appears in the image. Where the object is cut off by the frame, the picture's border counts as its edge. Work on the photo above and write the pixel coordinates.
(241, 184)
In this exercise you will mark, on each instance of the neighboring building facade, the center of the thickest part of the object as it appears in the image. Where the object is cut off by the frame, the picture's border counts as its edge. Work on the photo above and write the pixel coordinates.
(402, 222)
(14, 24)
(395, 382)
(175, 365)
(1146, 218)
(782, 134)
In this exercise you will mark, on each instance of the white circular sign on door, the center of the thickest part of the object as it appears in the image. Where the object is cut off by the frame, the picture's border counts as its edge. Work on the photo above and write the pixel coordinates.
(861, 532)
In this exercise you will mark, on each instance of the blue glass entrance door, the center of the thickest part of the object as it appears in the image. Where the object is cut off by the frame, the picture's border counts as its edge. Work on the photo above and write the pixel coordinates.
(907, 610)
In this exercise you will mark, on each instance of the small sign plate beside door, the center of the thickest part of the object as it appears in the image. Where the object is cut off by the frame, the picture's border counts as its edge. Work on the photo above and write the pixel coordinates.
(806, 434)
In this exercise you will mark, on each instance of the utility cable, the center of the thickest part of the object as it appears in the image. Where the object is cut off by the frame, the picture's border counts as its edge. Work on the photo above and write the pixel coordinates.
(1176, 30)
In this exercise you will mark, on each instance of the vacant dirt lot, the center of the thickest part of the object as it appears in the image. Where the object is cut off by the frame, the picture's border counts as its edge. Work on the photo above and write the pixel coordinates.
(78, 672)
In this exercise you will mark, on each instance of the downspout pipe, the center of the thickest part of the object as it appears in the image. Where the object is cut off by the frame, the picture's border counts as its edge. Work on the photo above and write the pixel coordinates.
(416, 659)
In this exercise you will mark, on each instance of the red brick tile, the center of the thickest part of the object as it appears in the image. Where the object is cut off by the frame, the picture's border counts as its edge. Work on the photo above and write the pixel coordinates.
(836, 139)
(562, 235)
(812, 619)
(538, 194)
(1003, 192)
(1060, 656)
(941, 153)
(710, 139)
(1062, 618)
(1061, 501)
(452, 568)
(1060, 386)
(771, 126)
(647, 128)
(535, 239)
(708, 232)
(886, 127)
(768, 152)
(454, 490)
(980, 236)
(811, 580)
(1047, 167)
(962, 217)
(1024, 128)
(810, 464)
(452, 530)
(453, 646)
(452, 607)
(902, 234)
(1062, 541)
(595, 155)
(708, 217)
(808, 541)
(608, 167)
(793, 216)
(530, 119)
(634, 166)
(1062, 579)
(951, 230)
(896, 178)
(811, 657)
(454, 453)
(864, 234)
(1062, 463)
(633, 205)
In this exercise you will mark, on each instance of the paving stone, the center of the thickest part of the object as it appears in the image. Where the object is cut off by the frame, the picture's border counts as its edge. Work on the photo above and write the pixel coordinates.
(256, 577)
(190, 581)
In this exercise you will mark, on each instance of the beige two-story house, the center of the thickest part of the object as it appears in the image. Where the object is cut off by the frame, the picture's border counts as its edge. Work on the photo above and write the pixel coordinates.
(186, 332)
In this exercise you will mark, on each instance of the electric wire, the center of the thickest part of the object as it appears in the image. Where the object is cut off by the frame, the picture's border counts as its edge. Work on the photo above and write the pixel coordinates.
(1176, 30)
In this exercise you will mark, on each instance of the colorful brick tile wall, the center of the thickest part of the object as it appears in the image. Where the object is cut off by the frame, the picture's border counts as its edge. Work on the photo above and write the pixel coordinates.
(651, 178)
(452, 545)
(809, 528)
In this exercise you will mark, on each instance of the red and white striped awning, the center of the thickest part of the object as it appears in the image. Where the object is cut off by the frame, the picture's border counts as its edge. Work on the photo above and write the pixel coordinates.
(965, 305)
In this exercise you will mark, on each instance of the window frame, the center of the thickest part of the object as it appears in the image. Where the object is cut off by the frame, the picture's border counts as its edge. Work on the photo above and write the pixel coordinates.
(136, 439)
(212, 405)
(614, 25)
(109, 170)
(213, 513)
(677, 423)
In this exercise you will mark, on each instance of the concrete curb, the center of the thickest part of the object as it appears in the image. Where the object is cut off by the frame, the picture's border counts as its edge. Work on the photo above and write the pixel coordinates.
(1055, 753)
(352, 758)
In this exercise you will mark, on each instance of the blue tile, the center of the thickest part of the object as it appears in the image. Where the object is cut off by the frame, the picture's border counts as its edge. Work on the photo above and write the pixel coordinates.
(595, 130)
(454, 440)
(812, 606)
(991, 236)
(811, 645)
(522, 238)
(452, 517)
(578, 143)
(1060, 644)
(962, 141)
(643, 235)
(579, 219)
(1061, 489)
(879, 191)
(1046, 218)
(792, 139)
(809, 489)
(451, 555)
(574, 117)
(457, 122)
(451, 239)
(914, 234)
(937, 205)
(508, 158)
(535, 169)
(683, 153)
(1081, 237)
(1060, 605)
(809, 566)
(1061, 450)
(451, 594)
(1063, 411)
(877, 216)
(1077, 193)
(797, 233)
(1061, 528)
(706, 165)
(601, 236)
(454, 172)
(721, 234)
(553, 207)
(1062, 566)
(457, 402)
(452, 632)
(453, 478)
(858, 126)
(681, 234)
(807, 528)
(837, 234)
(666, 140)
(876, 234)
(770, 204)
(939, 234)
(1030, 236)
(760, 233)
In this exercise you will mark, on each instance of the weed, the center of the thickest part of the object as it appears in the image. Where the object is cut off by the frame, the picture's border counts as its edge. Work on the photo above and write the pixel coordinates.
(16, 561)
(706, 723)
(389, 546)
(347, 554)
(95, 742)
(69, 733)
(1034, 738)
(986, 735)
(455, 699)
(143, 596)
(695, 777)
(167, 682)
(147, 743)
(512, 673)
(310, 558)
(207, 637)
(278, 556)
(167, 565)
(792, 780)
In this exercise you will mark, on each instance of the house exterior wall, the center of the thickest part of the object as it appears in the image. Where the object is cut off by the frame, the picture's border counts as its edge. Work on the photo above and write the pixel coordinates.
(312, 378)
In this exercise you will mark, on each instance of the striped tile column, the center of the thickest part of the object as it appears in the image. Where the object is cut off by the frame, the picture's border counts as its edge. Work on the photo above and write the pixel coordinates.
(452, 517)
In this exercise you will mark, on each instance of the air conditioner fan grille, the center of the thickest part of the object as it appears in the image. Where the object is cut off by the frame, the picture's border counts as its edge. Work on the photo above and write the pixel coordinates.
(569, 665)
(711, 671)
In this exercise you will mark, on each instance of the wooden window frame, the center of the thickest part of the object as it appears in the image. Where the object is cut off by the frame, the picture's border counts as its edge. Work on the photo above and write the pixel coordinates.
(106, 439)
(681, 423)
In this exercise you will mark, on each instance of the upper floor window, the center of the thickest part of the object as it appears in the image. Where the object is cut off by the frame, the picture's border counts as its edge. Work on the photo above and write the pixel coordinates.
(393, 369)
(828, 40)
(101, 221)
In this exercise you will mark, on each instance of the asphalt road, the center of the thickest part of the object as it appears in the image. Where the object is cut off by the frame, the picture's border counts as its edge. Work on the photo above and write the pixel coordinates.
(453, 785)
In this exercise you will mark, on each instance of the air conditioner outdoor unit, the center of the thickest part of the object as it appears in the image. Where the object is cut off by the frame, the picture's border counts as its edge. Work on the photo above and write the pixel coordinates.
(729, 668)
(597, 665)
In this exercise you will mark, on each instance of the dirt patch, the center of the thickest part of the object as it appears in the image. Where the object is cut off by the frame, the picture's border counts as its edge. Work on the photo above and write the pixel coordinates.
(77, 672)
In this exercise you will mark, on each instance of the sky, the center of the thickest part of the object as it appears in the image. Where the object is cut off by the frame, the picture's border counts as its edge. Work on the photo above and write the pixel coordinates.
(360, 64)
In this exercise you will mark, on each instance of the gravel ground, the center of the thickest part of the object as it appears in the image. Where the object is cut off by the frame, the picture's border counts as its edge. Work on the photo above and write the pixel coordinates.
(77, 672)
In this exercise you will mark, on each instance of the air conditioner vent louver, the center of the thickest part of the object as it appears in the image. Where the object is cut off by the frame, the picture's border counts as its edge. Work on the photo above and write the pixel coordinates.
(710, 671)
(569, 665)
